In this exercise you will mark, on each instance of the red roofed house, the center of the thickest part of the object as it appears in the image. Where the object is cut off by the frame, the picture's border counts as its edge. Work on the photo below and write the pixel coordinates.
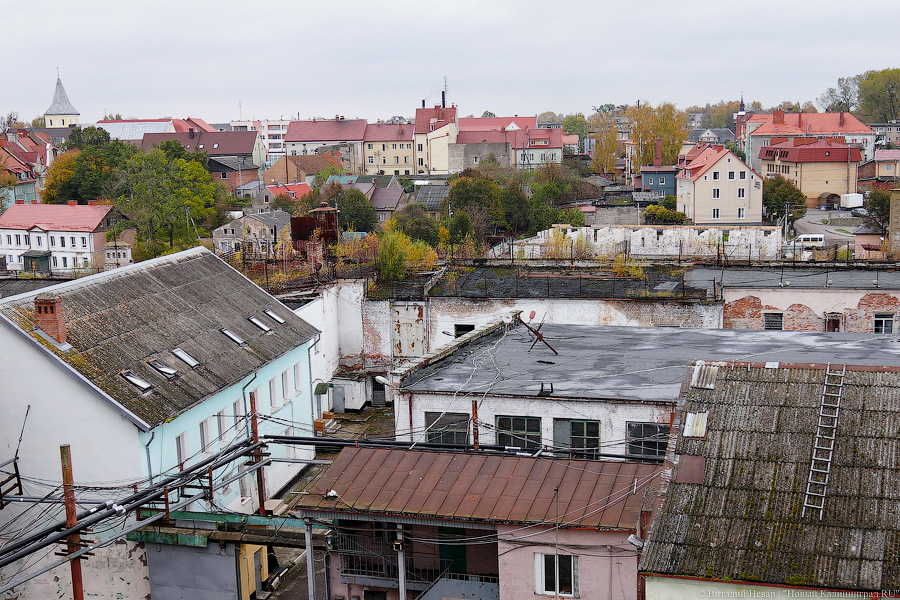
(481, 524)
(54, 237)
(822, 169)
(807, 125)
(389, 149)
(306, 137)
(522, 148)
(245, 146)
(435, 129)
(880, 173)
(20, 177)
(266, 197)
(716, 188)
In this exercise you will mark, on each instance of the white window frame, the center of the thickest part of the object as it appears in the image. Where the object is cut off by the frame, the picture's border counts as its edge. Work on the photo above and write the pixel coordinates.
(742, 193)
(715, 213)
(274, 394)
(540, 575)
(182, 449)
(206, 438)
(298, 377)
(716, 193)
(285, 387)
(742, 212)
(222, 426)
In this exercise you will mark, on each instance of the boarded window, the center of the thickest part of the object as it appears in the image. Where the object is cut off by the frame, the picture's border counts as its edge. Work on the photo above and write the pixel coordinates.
(773, 321)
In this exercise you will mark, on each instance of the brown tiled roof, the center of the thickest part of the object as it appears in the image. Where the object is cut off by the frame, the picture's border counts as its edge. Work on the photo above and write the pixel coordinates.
(328, 130)
(811, 150)
(437, 116)
(813, 124)
(120, 319)
(472, 486)
(382, 132)
(743, 522)
(214, 143)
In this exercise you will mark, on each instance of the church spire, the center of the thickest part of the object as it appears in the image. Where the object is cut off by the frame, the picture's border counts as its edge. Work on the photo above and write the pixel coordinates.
(61, 105)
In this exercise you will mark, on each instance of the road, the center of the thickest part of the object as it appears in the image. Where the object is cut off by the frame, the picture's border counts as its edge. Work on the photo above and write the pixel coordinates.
(812, 223)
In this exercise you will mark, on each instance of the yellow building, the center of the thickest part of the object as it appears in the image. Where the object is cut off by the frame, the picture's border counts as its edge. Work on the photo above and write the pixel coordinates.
(822, 169)
(388, 149)
(61, 112)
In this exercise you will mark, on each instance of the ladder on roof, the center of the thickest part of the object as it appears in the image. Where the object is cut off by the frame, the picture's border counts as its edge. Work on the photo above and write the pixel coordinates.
(823, 447)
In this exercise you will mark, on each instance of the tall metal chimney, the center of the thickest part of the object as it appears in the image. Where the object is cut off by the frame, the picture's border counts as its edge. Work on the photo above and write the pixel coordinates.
(443, 99)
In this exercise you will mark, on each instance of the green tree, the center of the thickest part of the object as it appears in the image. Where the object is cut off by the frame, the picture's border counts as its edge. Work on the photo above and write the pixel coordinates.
(414, 221)
(879, 95)
(577, 125)
(879, 206)
(656, 214)
(356, 213)
(669, 202)
(604, 130)
(174, 150)
(84, 137)
(460, 228)
(59, 187)
(781, 197)
(323, 175)
(842, 98)
(488, 115)
(738, 151)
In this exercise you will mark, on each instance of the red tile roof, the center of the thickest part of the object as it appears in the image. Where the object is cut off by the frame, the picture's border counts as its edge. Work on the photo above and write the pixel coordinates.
(519, 139)
(297, 189)
(812, 124)
(55, 217)
(381, 132)
(797, 151)
(328, 130)
(437, 117)
(887, 155)
(481, 487)
(701, 163)
(497, 123)
(214, 143)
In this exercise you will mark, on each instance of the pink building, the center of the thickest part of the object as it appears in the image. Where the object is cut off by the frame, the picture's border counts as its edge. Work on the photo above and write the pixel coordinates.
(481, 524)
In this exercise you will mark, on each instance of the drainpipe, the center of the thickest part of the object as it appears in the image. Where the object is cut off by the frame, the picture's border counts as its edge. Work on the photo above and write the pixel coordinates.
(310, 565)
(147, 450)
(401, 562)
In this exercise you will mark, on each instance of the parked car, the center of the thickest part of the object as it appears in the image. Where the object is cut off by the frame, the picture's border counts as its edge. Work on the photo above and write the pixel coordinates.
(859, 212)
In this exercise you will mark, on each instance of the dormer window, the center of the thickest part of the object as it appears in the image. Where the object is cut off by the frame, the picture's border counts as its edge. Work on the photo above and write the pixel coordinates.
(136, 381)
(166, 371)
(274, 316)
(233, 336)
(185, 357)
(259, 324)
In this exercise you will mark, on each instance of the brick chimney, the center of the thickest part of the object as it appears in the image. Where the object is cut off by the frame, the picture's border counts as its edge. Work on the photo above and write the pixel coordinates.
(72, 203)
(48, 316)
(778, 117)
(657, 162)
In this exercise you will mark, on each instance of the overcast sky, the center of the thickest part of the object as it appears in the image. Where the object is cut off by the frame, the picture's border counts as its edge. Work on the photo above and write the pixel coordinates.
(275, 59)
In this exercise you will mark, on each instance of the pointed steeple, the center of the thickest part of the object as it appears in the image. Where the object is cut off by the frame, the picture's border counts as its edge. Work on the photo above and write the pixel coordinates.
(61, 105)
(742, 103)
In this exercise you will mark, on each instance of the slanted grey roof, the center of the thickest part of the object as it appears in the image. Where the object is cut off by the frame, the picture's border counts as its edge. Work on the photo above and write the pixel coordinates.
(723, 134)
(135, 130)
(432, 196)
(61, 104)
(743, 520)
(233, 163)
(628, 363)
(120, 319)
(797, 278)
(275, 218)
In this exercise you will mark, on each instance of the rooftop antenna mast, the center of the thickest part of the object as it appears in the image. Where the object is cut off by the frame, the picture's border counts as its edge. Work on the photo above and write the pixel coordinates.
(539, 337)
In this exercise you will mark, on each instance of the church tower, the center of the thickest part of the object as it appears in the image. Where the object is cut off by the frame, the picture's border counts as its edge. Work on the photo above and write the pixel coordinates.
(61, 112)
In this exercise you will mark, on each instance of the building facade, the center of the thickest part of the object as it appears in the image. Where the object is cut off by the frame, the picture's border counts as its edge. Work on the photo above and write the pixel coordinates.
(718, 188)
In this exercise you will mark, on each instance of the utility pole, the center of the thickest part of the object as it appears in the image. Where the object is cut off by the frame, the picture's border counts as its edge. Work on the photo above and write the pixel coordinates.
(74, 540)
(475, 423)
(257, 455)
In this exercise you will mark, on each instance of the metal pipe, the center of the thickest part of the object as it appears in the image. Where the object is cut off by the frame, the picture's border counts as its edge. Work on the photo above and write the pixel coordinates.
(310, 563)
(147, 449)
(401, 562)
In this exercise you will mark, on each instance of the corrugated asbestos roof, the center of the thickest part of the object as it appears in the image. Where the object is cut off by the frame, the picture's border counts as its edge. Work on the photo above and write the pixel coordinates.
(432, 196)
(744, 523)
(120, 319)
(469, 486)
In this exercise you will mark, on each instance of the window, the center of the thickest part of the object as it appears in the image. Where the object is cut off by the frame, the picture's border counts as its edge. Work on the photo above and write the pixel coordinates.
(519, 432)
(447, 428)
(715, 193)
(743, 175)
(298, 378)
(72, 239)
(222, 425)
(715, 213)
(9, 240)
(181, 449)
(475, 160)
(371, 160)
(556, 574)
(730, 174)
(274, 316)
(185, 357)
(233, 336)
(136, 381)
(662, 181)
(647, 439)
(396, 160)
(421, 160)
(369, 146)
(238, 408)
(578, 438)
(274, 394)
(393, 146)
(285, 387)
(773, 321)
(40, 242)
(167, 371)
(742, 212)
(884, 323)
(54, 260)
(715, 175)
(420, 149)
(65, 261)
(260, 324)
(52, 240)
(223, 175)
(18, 239)
(461, 329)
(62, 241)
(649, 181)
(406, 161)
(742, 193)
(205, 436)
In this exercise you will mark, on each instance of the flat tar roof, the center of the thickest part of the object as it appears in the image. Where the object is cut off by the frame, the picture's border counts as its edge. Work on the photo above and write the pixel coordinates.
(629, 363)
(798, 277)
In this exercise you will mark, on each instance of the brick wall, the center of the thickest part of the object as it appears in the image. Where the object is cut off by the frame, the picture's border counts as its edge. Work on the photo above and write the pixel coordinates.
(747, 313)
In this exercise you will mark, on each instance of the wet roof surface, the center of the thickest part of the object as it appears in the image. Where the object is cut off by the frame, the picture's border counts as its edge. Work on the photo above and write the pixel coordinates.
(744, 520)
(811, 278)
(471, 486)
(629, 363)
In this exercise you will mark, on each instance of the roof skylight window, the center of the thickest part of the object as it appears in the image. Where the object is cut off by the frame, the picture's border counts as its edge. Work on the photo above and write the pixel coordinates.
(167, 371)
(260, 324)
(274, 316)
(136, 381)
(185, 357)
(233, 336)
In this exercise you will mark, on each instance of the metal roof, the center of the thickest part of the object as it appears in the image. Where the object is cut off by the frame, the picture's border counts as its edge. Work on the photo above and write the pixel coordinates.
(119, 319)
(60, 104)
(628, 363)
(743, 520)
(432, 196)
(480, 487)
(135, 130)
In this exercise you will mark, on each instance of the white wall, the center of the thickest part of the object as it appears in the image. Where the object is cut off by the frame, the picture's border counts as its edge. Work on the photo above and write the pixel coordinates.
(664, 588)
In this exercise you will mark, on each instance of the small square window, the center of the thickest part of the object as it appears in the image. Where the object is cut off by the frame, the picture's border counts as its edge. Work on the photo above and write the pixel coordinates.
(884, 323)
(773, 321)
(715, 175)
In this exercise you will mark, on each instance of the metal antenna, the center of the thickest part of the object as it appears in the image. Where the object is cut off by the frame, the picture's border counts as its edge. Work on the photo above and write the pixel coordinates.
(537, 333)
